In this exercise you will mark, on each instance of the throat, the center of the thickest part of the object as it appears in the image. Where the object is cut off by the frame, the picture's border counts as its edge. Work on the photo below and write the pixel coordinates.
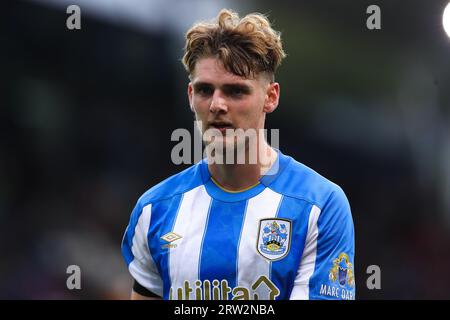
(227, 189)
(240, 177)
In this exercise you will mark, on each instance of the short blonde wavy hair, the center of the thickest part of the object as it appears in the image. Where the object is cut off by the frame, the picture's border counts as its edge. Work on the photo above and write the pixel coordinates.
(246, 46)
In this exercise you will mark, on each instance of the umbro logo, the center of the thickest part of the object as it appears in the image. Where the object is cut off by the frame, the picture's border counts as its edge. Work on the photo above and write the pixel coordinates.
(170, 237)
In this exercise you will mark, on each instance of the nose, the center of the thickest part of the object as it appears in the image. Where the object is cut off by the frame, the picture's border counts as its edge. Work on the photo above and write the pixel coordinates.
(218, 103)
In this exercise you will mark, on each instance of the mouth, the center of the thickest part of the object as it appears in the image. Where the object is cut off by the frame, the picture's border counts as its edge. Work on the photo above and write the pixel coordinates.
(221, 126)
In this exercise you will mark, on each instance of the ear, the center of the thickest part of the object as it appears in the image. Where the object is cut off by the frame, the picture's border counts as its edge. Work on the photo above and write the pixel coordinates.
(272, 97)
(190, 93)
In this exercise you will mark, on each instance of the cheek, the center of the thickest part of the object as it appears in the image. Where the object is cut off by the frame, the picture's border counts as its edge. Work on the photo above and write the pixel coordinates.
(249, 115)
(256, 107)
(199, 106)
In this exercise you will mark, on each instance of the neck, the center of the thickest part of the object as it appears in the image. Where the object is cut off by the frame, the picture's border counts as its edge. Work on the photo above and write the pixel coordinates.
(238, 177)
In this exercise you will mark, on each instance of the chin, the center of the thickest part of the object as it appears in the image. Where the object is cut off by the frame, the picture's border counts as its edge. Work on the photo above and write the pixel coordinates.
(220, 144)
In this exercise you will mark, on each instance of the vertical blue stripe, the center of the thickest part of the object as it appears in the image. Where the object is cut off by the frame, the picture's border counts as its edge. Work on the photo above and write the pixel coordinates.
(127, 240)
(336, 236)
(220, 243)
(203, 239)
(284, 271)
(276, 216)
(239, 240)
(164, 215)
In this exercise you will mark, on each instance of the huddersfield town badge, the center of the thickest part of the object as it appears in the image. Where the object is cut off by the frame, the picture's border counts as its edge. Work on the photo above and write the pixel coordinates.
(274, 238)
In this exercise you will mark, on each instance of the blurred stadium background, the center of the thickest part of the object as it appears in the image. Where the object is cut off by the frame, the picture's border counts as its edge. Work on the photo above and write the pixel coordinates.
(86, 118)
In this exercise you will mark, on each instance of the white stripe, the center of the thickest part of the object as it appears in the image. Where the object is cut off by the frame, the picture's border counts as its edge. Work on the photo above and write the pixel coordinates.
(308, 262)
(143, 268)
(251, 265)
(190, 224)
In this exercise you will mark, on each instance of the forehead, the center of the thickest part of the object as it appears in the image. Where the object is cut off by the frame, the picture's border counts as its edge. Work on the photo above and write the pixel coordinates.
(211, 70)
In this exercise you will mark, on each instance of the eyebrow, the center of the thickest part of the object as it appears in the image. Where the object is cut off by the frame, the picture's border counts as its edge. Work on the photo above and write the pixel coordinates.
(226, 86)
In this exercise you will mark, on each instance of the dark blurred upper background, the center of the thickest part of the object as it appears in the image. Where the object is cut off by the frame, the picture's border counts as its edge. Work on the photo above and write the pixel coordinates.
(86, 119)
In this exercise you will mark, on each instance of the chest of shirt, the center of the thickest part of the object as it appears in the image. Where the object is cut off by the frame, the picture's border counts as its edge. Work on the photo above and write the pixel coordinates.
(242, 243)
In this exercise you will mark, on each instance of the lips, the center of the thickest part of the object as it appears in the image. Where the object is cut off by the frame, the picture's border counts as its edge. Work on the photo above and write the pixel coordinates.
(222, 126)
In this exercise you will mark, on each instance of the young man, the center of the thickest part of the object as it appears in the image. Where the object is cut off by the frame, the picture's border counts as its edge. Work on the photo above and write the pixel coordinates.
(271, 228)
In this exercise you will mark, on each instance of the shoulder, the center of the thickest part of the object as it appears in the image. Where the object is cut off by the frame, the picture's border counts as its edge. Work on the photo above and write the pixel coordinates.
(174, 185)
(300, 181)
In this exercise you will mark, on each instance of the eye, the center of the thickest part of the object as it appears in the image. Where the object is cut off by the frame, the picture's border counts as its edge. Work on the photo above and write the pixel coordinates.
(204, 91)
(235, 92)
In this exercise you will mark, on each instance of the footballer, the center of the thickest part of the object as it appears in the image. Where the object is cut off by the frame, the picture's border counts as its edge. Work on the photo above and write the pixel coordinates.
(267, 229)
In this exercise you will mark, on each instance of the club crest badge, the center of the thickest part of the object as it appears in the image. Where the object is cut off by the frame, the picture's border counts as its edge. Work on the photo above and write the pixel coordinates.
(342, 271)
(274, 238)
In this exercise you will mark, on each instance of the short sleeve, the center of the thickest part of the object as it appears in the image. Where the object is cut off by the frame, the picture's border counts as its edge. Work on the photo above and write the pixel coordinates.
(327, 267)
(136, 253)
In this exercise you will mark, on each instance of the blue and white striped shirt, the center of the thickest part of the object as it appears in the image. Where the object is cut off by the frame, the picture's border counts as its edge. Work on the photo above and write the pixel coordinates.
(289, 237)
